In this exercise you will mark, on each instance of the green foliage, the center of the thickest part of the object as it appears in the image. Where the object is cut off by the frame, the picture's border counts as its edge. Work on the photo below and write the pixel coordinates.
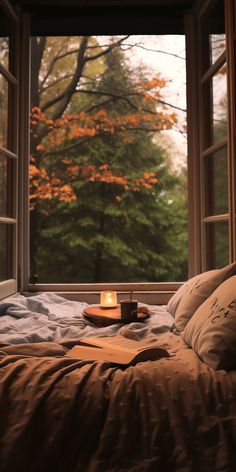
(112, 233)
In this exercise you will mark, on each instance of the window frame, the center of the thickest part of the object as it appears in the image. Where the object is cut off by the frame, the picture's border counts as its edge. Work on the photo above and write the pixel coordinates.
(208, 149)
(11, 75)
(154, 292)
(158, 292)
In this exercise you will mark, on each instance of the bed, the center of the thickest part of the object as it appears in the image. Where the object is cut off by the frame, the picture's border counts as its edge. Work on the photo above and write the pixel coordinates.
(173, 414)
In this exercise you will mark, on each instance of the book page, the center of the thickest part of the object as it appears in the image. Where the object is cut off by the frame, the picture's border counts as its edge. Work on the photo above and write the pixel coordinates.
(116, 356)
(118, 342)
(95, 353)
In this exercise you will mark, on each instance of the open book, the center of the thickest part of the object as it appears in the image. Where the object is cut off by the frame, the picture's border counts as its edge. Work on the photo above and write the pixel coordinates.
(116, 349)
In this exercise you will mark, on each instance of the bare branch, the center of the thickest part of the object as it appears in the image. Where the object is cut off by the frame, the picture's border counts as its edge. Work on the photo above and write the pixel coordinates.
(99, 105)
(50, 69)
(125, 98)
(72, 146)
(82, 59)
(172, 106)
(38, 45)
(138, 45)
(106, 51)
(64, 98)
(56, 81)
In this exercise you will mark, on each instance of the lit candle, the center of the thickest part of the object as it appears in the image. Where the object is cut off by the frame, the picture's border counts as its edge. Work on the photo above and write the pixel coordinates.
(108, 299)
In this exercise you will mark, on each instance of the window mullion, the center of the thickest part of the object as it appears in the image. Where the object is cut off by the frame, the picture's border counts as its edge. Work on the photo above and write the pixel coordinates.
(231, 66)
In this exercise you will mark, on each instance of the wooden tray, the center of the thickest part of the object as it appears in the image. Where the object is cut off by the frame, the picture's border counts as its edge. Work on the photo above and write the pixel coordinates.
(107, 316)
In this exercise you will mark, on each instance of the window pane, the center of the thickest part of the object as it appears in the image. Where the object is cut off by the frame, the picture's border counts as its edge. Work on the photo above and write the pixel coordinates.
(219, 98)
(6, 186)
(216, 183)
(108, 176)
(3, 253)
(4, 39)
(3, 186)
(213, 34)
(217, 45)
(4, 52)
(217, 244)
(214, 111)
(3, 111)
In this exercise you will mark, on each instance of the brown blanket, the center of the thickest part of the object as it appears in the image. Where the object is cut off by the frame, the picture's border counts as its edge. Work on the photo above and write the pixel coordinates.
(170, 415)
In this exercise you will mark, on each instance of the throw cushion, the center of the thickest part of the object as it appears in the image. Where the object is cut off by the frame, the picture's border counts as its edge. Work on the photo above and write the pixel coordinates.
(194, 292)
(211, 332)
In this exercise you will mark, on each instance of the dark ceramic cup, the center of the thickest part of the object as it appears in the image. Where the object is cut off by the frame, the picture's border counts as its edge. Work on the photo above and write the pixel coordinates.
(128, 309)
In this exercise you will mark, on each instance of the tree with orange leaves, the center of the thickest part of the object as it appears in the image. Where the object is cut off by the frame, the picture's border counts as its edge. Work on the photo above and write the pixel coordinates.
(99, 184)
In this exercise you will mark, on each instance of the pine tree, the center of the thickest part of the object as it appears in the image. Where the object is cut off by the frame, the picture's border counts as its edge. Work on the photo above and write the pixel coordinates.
(127, 222)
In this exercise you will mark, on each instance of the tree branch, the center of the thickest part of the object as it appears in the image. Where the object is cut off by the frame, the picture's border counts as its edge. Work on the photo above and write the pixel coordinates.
(106, 51)
(125, 98)
(82, 59)
(56, 81)
(65, 96)
(103, 133)
(138, 45)
(38, 45)
(49, 71)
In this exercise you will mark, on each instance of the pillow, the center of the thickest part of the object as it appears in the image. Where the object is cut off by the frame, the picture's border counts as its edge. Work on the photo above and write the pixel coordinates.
(211, 332)
(194, 292)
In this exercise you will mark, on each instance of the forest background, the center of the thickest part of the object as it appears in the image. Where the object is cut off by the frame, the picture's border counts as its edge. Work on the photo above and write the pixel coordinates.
(106, 202)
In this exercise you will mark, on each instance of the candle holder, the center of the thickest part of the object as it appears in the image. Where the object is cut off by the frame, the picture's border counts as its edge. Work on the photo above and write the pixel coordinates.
(108, 299)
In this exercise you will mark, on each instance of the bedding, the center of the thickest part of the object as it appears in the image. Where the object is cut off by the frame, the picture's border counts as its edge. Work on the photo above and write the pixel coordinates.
(174, 414)
(194, 292)
(211, 332)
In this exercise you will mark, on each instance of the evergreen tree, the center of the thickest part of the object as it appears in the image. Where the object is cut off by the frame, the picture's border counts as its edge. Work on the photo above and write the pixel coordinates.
(128, 222)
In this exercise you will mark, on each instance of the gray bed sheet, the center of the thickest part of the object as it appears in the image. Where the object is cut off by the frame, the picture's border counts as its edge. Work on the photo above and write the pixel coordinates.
(47, 317)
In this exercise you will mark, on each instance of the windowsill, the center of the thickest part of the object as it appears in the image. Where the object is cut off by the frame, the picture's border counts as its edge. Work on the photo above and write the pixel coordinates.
(153, 294)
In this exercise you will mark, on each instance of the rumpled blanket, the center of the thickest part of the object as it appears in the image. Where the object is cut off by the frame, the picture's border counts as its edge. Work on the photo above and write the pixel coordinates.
(174, 414)
(170, 415)
(49, 317)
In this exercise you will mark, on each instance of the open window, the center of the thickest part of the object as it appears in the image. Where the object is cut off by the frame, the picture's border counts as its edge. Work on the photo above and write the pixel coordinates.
(216, 115)
(8, 149)
(209, 29)
(105, 229)
(108, 165)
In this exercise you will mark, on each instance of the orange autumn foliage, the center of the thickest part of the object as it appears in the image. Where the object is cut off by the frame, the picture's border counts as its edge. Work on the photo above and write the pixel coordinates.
(76, 127)
(73, 128)
(44, 187)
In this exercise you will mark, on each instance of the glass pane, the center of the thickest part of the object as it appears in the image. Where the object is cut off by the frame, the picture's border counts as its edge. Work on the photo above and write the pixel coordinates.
(4, 52)
(4, 39)
(3, 252)
(6, 170)
(214, 111)
(3, 111)
(216, 183)
(219, 99)
(3, 186)
(217, 244)
(217, 45)
(213, 34)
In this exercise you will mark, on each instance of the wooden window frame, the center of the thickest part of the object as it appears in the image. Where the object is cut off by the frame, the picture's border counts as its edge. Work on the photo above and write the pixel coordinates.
(206, 150)
(156, 292)
(11, 75)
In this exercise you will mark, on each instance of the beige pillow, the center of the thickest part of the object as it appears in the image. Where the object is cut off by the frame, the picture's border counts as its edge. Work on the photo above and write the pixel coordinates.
(211, 332)
(194, 292)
